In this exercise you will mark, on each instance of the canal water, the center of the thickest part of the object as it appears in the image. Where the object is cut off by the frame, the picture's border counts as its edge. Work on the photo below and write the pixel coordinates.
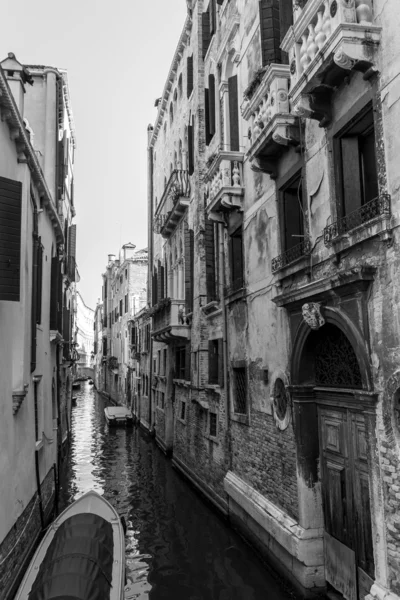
(177, 547)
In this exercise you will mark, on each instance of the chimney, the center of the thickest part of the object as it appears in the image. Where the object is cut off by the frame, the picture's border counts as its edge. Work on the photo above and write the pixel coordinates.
(17, 76)
(111, 258)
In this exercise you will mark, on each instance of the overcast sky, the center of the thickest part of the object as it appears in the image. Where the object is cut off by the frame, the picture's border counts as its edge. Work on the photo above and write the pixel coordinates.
(117, 55)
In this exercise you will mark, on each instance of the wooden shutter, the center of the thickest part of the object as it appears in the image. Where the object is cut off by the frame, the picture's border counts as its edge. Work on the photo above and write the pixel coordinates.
(351, 174)
(121, 308)
(54, 297)
(60, 169)
(71, 252)
(159, 281)
(35, 245)
(221, 362)
(189, 269)
(236, 259)
(189, 75)
(188, 376)
(126, 303)
(167, 291)
(270, 31)
(212, 362)
(212, 10)
(10, 239)
(233, 113)
(191, 149)
(211, 100)
(205, 24)
(293, 215)
(285, 21)
(39, 282)
(207, 115)
(210, 260)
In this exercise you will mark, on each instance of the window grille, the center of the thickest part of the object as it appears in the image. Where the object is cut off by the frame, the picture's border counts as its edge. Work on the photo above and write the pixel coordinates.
(240, 392)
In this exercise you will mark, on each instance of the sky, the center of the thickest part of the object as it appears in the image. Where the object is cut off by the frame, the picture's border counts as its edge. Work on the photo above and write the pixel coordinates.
(117, 55)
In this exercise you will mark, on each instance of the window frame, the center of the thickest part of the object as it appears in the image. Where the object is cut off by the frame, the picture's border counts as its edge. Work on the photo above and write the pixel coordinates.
(242, 417)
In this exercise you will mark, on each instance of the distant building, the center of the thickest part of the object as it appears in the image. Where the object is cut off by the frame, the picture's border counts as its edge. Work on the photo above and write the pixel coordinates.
(124, 295)
(37, 290)
(84, 335)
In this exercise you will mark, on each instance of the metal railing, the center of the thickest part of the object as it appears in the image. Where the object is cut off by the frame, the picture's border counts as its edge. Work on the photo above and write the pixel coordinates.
(178, 185)
(298, 251)
(377, 207)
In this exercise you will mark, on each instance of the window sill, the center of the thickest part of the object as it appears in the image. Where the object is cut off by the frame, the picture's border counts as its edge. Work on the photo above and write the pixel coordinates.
(235, 296)
(240, 418)
(212, 387)
(211, 438)
(182, 383)
(212, 309)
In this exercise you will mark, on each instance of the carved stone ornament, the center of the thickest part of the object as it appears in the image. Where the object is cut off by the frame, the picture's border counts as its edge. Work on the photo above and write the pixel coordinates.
(312, 315)
(343, 60)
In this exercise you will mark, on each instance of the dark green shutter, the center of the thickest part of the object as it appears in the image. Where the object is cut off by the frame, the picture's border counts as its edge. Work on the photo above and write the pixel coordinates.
(189, 268)
(10, 239)
(191, 149)
(233, 113)
(210, 260)
(72, 252)
(189, 75)
(54, 297)
(205, 24)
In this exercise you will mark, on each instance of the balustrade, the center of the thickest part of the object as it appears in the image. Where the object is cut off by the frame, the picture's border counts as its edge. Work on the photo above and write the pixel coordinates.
(324, 28)
(225, 181)
(173, 202)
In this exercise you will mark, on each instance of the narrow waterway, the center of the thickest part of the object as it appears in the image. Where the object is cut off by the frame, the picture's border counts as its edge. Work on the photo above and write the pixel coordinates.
(177, 548)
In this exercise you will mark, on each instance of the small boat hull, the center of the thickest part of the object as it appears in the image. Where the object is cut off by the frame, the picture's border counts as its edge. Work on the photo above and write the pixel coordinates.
(84, 548)
(118, 416)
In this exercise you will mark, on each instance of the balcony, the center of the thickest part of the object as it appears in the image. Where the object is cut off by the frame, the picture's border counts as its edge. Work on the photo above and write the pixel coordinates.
(376, 210)
(329, 39)
(173, 203)
(225, 182)
(272, 127)
(291, 256)
(170, 323)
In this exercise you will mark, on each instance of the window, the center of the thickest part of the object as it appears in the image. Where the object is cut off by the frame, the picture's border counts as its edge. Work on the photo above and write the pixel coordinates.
(159, 362)
(191, 147)
(154, 365)
(171, 113)
(356, 171)
(180, 85)
(121, 279)
(183, 410)
(236, 259)
(121, 308)
(240, 389)
(162, 400)
(180, 356)
(215, 362)
(212, 424)
(126, 273)
(292, 220)
(276, 16)
(234, 145)
(212, 260)
(38, 420)
(126, 303)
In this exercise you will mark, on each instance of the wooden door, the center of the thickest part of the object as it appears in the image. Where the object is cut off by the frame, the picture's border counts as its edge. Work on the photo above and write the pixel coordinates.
(345, 492)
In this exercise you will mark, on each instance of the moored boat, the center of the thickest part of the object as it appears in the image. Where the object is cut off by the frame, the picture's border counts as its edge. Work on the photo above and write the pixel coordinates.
(118, 416)
(81, 556)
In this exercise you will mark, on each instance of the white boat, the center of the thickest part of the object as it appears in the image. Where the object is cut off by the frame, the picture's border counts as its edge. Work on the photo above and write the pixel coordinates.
(82, 555)
(118, 415)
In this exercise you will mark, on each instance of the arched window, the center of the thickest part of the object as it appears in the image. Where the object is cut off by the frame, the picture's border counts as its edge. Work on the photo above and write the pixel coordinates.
(180, 85)
(171, 113)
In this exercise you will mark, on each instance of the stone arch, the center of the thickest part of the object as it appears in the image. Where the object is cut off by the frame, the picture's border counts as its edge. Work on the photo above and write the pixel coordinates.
(303, 358)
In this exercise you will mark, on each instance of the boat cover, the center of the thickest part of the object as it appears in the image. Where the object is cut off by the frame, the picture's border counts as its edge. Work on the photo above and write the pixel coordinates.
(78, 562)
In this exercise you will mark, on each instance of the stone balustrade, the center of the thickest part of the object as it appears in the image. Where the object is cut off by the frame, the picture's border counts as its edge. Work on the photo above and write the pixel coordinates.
(325, 28)
(225, 181)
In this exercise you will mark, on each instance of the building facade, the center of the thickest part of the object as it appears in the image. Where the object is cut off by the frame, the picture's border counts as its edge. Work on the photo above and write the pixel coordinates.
(84, 334)
(35, 290)
(273, 204)
(124, 295)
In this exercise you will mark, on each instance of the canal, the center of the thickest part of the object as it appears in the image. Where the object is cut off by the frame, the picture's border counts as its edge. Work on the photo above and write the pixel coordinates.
(177, 547)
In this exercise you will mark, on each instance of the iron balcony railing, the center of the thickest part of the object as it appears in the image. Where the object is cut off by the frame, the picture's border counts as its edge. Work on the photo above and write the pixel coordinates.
(291, 255)
(377, 207)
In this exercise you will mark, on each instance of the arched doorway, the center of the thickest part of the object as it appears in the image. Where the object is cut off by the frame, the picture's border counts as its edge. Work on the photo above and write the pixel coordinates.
(332, 408)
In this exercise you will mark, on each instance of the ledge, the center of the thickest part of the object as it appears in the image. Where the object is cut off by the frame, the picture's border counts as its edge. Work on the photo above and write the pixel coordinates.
(306, 545)
(182, 383)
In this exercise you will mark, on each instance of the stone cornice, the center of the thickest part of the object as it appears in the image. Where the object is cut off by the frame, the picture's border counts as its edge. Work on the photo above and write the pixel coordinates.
(170, 79)
(26, 153)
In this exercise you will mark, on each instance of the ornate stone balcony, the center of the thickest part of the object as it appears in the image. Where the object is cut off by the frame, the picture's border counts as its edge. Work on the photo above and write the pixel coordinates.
(328, 39)
(272, 127)
(173, 203)
(225, 182)
(170, 323)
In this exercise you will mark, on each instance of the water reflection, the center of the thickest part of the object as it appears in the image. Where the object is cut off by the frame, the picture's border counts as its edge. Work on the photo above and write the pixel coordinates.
(176, 546)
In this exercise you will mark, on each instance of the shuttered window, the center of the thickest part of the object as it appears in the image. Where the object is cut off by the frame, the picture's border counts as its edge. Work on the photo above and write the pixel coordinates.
(72, 252)
(233, 113)
(212, 11)
(126, 303)
(209, 100)
(39, 287)
(10, 239)
(205, 24)
(189, 75)
(121, 308)
(236, 259)
(56, 295)
(189, 268)
(191, 147)
(240, 389)
(276, 16)
(210, 261)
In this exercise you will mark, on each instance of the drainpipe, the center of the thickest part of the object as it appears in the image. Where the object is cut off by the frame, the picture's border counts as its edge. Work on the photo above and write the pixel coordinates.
(150, 263)
(221, 233)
